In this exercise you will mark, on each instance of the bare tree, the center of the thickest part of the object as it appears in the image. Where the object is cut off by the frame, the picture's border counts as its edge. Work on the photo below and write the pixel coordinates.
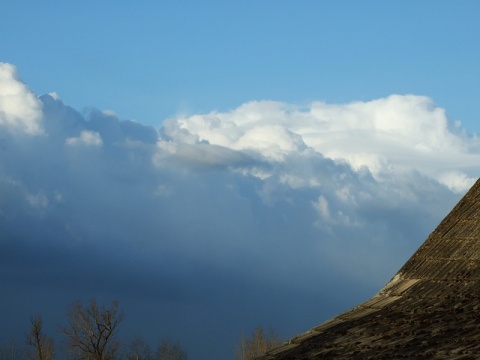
(170, 351)
(39, 345)
(11, 351)
(139, 350)
(256, 345)
(92, 330)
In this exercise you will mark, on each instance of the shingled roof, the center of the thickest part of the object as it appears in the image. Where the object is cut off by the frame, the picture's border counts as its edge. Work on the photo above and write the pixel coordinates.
(430, 309)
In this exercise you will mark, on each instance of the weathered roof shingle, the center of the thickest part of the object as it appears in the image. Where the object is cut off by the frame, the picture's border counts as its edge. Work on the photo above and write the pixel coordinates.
(430, 309)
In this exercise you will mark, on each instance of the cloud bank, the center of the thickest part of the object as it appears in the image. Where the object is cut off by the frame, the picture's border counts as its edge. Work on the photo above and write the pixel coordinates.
(390, 136)
(271, 213)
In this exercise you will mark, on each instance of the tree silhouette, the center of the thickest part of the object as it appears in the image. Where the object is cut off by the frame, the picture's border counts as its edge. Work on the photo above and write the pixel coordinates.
(170, 351)
(252, 347)
(138, 350)
(39, 345)
(92, 330)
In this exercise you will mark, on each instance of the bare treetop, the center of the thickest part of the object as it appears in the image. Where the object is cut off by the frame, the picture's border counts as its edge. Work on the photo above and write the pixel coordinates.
(39, 345)
(92, 330)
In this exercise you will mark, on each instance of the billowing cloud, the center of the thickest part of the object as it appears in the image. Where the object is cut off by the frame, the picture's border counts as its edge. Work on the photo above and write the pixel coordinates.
(272, 213)
(20, 110)
(387, 136)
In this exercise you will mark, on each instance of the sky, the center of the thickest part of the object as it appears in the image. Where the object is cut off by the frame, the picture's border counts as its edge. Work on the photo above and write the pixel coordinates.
(216, 165)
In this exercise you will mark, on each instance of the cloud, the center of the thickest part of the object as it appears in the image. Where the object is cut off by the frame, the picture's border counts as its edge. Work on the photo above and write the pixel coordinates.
(20, 110)
(88, 138)
(271, 213)
(389, 136)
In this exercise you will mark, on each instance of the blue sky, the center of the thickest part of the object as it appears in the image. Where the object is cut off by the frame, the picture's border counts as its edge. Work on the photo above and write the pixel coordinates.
(216, 166)
(151, 60)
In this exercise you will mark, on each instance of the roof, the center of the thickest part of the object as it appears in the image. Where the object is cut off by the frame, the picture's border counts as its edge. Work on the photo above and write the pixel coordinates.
(431, 307)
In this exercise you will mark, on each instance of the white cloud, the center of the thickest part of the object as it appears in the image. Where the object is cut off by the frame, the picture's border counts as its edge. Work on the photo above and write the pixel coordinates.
(86, 138)
(388, 136)
(54, 95)
(109, 112)
(38, 200)
(20, 109)
(455, 180)
(321, 206)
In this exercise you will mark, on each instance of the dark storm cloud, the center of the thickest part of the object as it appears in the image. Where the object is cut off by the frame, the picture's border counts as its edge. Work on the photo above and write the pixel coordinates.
(215, 223)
